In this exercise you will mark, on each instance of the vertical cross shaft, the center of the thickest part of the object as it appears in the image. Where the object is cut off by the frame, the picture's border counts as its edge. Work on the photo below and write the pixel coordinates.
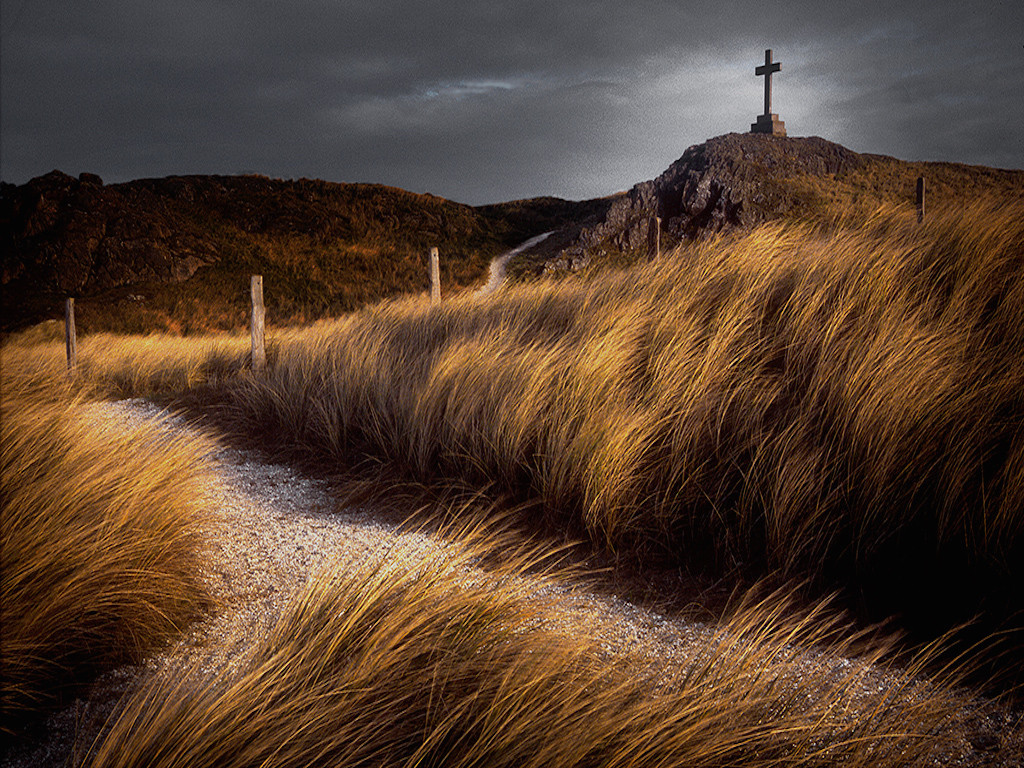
(767, 70)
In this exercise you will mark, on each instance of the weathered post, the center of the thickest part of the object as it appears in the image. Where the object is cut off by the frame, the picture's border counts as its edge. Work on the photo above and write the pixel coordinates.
(435, 277)
(259, 353)
(920, 199)
(656, 237)
(70, 335)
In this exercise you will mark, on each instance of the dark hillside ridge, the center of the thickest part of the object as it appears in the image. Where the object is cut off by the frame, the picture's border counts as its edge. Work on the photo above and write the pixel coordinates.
(141, 254)
(175, 253)
(741, 180)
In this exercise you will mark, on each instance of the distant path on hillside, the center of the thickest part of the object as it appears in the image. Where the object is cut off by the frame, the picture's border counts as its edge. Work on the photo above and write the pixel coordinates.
(497, 274)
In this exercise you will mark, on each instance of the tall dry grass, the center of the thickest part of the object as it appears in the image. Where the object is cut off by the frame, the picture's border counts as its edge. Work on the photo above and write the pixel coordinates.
(833, 402)
(115, 366)
(836, 402)
(102, 540)
(404, 661)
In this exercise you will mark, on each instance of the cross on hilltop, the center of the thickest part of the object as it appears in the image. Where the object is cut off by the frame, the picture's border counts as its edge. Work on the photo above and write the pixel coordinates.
(768, 122)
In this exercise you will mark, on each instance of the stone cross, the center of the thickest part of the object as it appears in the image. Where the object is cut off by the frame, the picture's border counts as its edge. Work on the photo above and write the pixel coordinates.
(768, 122)
(766, 70)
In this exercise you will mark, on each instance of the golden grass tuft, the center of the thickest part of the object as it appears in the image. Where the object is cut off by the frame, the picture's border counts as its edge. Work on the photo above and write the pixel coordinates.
(103, 534)
(403, 661)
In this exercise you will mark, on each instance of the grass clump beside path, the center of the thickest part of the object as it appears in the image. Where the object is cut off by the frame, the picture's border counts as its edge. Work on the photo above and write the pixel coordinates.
(102, 541)
(835, 403)
(402, 660)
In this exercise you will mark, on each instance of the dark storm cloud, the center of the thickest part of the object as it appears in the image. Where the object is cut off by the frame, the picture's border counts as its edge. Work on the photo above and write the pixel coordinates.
(485, 101)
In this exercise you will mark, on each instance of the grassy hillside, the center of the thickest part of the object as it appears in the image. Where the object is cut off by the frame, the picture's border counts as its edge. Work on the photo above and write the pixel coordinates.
(888, 181)
(837, 404)
(175, 254)
(834, 403)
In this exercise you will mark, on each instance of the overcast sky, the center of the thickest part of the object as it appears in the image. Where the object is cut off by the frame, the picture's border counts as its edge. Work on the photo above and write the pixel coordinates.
(483, 100)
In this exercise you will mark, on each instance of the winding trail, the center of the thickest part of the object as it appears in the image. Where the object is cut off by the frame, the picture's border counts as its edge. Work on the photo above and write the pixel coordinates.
(276, 527)
(496, 275)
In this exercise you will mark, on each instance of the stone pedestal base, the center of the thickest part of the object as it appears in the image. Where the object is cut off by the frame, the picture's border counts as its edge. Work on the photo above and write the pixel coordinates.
(769, 124)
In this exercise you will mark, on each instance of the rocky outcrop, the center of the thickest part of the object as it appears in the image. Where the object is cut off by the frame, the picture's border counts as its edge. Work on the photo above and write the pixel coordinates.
(72, 236)
(729, 181)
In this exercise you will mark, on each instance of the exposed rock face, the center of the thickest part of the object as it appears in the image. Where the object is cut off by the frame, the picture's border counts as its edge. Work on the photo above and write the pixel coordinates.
(729, 181)
(71, 236)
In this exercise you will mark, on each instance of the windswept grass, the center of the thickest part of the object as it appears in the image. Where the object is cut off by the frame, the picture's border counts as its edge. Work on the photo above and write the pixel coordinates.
(111, 365)
(402, 661)
(836, 403)
(825, 402)
(102, 540)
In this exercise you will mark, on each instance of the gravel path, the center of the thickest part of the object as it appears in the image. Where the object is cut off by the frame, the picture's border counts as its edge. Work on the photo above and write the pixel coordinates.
(281, 526)
(496, 275)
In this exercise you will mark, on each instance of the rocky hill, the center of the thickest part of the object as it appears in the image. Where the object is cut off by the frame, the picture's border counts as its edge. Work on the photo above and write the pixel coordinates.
(740, 180)
(175, 253)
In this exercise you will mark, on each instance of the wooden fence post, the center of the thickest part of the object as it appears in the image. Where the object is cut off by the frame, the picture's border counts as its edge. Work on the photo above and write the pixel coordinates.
(259, 354)
(920, 199)
(70, 335)
(655, 236)
(435, 277)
